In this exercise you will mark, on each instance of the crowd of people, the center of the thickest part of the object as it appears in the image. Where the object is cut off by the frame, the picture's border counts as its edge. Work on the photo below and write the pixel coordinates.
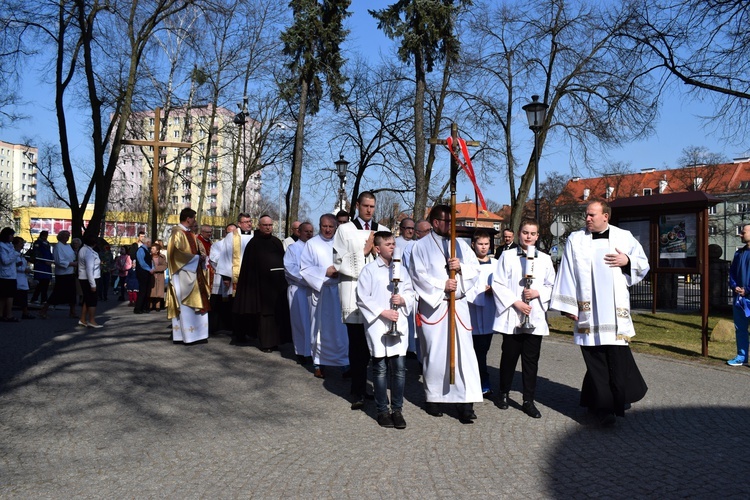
(355, 296)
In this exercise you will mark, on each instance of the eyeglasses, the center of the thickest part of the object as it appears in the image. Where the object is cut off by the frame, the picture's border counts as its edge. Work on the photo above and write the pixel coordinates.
(407, 228)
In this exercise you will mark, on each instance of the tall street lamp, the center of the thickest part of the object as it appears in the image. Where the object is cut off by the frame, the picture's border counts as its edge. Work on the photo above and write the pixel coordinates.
(535, 113)
(341, 166)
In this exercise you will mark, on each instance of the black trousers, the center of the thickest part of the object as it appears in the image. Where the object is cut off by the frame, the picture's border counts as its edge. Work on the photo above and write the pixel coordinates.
(612, 379)
(527, 347)
(482, 345)
(359, 356)
(144, 290)
(40, 290)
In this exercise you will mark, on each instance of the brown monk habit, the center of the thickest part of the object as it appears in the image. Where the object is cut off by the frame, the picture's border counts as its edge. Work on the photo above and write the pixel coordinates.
(261, 292)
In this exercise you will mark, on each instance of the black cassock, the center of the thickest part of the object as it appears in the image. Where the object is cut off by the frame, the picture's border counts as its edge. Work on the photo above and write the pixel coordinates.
(261, 292)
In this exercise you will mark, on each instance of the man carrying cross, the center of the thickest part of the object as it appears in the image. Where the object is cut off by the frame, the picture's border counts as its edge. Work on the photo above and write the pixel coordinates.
(429, 270)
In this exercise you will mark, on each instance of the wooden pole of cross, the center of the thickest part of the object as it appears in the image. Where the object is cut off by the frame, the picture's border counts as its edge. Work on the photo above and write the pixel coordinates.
(157, 144)
(452, 273)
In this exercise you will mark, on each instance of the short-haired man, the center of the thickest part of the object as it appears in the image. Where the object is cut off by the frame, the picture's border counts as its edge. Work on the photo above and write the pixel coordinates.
(342, 217)
(429, 270)
(188, 293)
(330, 345)
(508, 243)
(599, 263)
(298, 295)
(262, 288)
(292, 237)
(739, 282)
(352, 250)
(144, 271)
(229, 264)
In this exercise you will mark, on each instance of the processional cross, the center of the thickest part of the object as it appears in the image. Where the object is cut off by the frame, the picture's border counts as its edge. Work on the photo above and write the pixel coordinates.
(456, 146)
(157, 145)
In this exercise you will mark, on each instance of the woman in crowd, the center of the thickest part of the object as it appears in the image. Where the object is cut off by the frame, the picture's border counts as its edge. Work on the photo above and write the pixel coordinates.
(123, 263)
(8, 261)
(21, 300)
(157, 290)
(89, 272)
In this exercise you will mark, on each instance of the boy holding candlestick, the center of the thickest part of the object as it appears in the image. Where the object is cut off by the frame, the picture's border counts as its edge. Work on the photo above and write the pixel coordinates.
(522, 286)
(385, 297)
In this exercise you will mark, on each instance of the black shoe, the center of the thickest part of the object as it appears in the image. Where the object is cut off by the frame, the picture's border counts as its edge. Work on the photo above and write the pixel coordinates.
(385, 420)
(502, 402)
(433, 409)
(137, 311)
(466, 412)
(398, 420)
(300, 359)
(530, 409)
(265, 349)
(201, 341)
(607, 418)
(359, 403)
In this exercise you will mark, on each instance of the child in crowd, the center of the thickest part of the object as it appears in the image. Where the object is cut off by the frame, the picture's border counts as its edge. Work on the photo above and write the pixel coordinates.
(131, 286)
(482, 305)
(387, 326)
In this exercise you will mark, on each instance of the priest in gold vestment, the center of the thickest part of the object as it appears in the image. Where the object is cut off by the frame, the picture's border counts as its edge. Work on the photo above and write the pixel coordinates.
(189, 291)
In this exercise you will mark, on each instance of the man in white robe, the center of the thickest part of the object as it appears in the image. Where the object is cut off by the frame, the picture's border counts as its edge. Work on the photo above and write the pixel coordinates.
(298, 295)
(188, 292)
(514, 303)
(352, 250)
(598, 265)
(229, 265)
(430, 261)
(330, 344)
(289, 240)
(404, 243)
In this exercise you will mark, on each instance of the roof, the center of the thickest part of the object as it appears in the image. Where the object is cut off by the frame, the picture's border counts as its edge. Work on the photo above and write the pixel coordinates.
(470, 211)
(722, 178)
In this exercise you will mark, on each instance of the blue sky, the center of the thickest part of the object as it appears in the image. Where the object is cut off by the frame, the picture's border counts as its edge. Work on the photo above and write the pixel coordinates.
(678, 127)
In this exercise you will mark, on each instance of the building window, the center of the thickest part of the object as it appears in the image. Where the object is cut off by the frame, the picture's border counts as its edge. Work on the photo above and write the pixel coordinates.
(712, 231)
(712, 210)
(646, 191)
(742, 208)
(565, 218)
(738, 229)
(176, 134)
(745, 185)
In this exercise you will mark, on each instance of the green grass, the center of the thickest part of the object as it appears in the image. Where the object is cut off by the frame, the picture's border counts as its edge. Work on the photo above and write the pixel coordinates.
(672, 335)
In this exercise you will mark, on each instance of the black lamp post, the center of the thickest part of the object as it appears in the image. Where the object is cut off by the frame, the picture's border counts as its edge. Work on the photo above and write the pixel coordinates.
(535, 113)
(341, 166)
(240, 119)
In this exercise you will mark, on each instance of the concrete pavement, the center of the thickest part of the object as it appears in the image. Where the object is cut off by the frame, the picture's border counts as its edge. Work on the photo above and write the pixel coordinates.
(122, 412)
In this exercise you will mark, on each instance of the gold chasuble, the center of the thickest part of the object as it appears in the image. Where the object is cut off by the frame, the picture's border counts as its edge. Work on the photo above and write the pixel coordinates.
(184, 262)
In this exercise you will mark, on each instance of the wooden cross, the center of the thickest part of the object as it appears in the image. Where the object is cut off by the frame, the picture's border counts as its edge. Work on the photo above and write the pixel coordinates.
(157, 145)
(452, 273)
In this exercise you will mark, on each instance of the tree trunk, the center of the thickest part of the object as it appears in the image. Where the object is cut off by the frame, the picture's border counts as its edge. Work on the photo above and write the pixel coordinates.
(299, 142)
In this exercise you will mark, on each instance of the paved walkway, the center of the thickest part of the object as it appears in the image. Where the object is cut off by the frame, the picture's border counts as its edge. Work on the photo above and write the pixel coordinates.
(122, 412)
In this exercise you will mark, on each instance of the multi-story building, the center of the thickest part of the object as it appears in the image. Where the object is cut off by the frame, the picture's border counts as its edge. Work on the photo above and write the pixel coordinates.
(214, 170)
(728, 181)
(18, 172)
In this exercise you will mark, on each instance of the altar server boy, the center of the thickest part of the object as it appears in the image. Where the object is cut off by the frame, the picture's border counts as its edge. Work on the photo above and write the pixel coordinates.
(386, 314)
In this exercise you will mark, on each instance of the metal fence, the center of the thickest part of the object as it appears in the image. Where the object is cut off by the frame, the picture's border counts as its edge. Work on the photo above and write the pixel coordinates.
(680, 292)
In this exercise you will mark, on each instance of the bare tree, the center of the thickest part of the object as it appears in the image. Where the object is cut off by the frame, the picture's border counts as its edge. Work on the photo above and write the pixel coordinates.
(572, 56)
(704, 44)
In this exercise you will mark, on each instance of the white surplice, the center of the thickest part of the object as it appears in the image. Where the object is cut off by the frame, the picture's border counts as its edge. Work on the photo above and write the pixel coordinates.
(374, 290)
(224, 266)
(596, 293)
(481, 303)
(298, 295)
(329, 340)
(508, 283)
(428, 272)
(349, 259)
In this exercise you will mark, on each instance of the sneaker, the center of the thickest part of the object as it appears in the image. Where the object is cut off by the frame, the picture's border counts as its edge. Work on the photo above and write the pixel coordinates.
(738, 361)
(385, 420)
(398, 420)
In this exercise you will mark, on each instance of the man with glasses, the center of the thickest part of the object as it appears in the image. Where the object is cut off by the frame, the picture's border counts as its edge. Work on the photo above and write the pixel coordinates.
(429, 267)
(230, 262)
